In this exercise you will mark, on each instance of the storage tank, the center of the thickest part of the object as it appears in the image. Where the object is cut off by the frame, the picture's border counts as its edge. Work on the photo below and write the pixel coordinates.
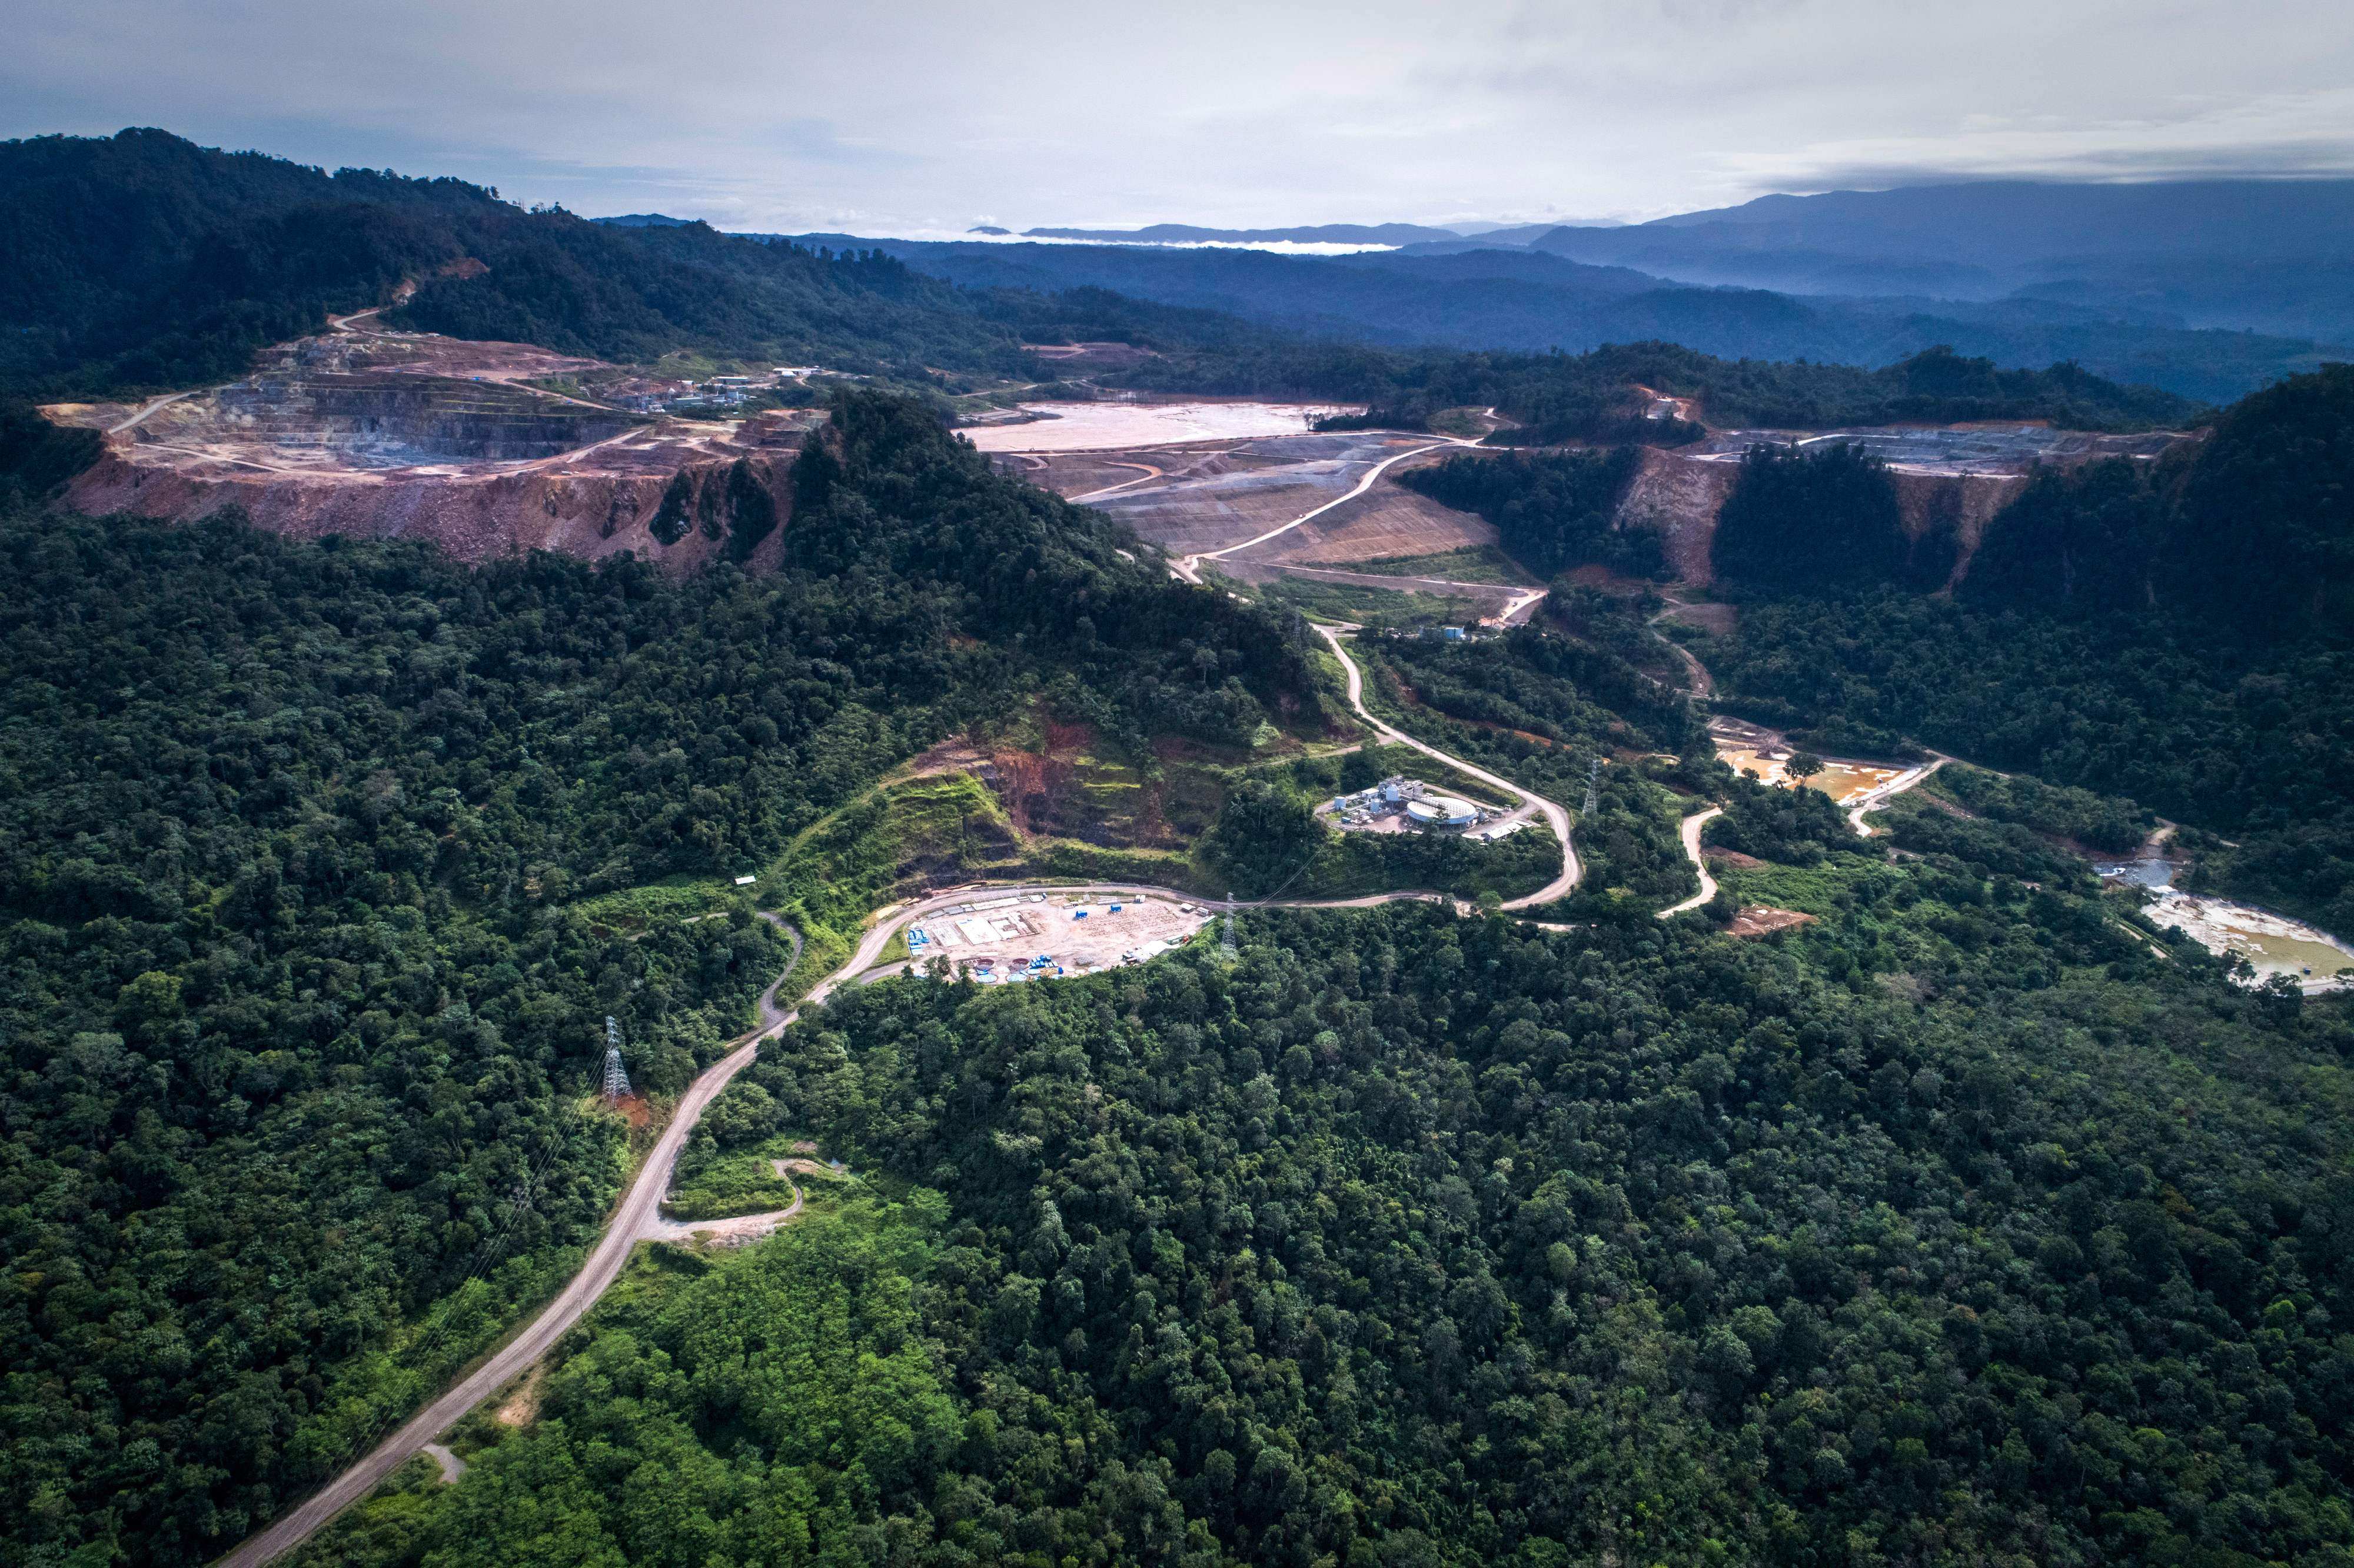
(1442, 812)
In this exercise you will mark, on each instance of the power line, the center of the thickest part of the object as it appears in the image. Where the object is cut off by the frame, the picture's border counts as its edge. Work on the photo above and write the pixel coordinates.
(617, 1082)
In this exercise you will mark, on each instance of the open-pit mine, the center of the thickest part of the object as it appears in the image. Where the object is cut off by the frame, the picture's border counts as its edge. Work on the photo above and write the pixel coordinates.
(1215, 497)
(1228, 496)
(405, 435)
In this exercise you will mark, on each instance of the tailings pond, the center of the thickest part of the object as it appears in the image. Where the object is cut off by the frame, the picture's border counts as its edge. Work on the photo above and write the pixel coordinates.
(1091, 427)
(1761, 753)
(2274, 944)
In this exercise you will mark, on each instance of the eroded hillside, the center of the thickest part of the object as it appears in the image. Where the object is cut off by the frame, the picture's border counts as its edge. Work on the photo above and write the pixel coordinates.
(380, 434)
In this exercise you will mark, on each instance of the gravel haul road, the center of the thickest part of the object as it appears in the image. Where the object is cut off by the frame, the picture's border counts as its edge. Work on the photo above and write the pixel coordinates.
(1552, 812)
(1690, 832)
(639, 1216)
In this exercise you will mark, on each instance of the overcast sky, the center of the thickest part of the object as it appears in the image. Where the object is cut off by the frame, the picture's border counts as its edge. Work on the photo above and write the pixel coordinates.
(920, 117)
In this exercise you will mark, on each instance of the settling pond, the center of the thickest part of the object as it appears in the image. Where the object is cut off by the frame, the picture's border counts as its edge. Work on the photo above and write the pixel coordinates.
(2274, 944)
(1748, 749)
(1116, 427)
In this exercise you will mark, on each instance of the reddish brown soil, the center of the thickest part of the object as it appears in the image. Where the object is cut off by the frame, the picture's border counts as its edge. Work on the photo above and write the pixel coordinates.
(590, 507)
(1681, 498)
(367, 435)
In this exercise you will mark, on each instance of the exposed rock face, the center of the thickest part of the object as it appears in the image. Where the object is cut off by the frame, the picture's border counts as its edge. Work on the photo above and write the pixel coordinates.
(1955, 507)
(1950, 482)
(588, 510)
(1681, 498)
(377, 435)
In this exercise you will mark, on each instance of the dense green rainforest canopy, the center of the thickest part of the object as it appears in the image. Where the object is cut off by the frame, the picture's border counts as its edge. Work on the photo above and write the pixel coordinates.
(1963, 1230)
(1968, 1222)
(1971, 1221)
(294, 992)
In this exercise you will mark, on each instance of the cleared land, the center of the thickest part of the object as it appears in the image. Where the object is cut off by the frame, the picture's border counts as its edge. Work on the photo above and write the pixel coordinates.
(379, 434)
(999, 939)
(1765, 753)
(1114, 426)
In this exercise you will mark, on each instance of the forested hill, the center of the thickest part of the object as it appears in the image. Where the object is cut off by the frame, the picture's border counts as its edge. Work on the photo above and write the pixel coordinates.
(320, 866)
(2180, 633)
(2248, 531)
(143, 261)
(1600, 396)
(1957, 1228)
(1535, 302)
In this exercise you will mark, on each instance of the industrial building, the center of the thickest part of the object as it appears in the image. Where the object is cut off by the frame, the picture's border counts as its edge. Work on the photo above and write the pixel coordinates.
(1442, 812)
(1399, 803)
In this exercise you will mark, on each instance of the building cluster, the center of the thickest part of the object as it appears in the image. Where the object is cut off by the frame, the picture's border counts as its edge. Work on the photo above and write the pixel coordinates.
(718, 392)
(1401, 802)
(1441, 633)
(1014, 938)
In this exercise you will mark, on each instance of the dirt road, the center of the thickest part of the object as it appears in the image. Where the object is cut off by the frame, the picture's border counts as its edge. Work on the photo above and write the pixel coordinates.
(1690, 833)
(1150, 472)
(1190, 568)
(146, 409)
(638, 1216)
(1702, 686)
(1552, 814)
(1878, 795)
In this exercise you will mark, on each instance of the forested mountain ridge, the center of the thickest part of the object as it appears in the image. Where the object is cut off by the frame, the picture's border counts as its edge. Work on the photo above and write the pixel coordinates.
(297, 985)
(1599, 395)
(144, 262)
(2263, 254)
(1532, 302)
(141, 263)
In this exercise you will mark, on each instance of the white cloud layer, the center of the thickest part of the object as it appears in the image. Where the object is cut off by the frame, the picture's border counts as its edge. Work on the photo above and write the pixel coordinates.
(930, 116)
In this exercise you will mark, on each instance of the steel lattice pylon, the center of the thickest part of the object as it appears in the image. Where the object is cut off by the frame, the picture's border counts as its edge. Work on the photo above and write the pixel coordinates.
(617, 1082)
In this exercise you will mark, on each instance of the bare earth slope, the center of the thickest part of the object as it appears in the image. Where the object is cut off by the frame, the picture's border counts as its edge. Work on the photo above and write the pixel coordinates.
(403, 435)
(1211, 497)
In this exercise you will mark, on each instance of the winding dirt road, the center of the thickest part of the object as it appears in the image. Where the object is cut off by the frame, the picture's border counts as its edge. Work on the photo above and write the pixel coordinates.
(146, 409)
(638, 1216)
(1690, 832)
(1150, 472)
(1552, 812)
(1878, 795)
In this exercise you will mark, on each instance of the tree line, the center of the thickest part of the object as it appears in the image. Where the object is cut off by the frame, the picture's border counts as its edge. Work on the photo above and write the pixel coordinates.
(1408, 1239)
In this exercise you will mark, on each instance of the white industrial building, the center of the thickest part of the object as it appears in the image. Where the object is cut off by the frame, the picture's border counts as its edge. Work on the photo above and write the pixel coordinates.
(1402, 802)
(1442, 812)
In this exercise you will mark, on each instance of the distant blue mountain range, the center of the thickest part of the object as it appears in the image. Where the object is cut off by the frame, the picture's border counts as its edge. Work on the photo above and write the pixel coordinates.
(2208, 288)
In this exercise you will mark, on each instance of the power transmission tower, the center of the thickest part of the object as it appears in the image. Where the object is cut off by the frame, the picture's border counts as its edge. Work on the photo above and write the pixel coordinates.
(617, 1082)
(1227, 944)
(1593, 777)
